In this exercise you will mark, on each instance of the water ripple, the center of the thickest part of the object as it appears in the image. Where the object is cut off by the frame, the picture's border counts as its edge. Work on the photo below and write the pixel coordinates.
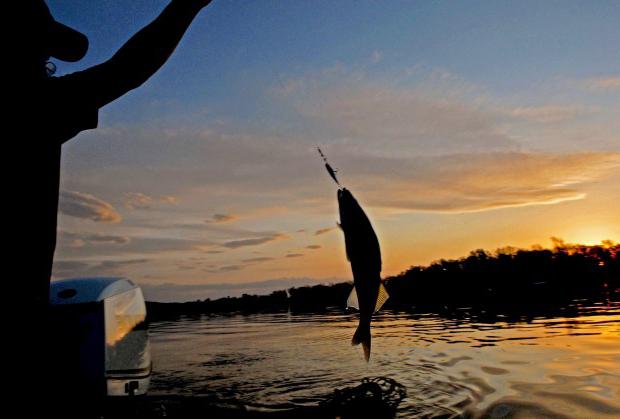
(543, 367)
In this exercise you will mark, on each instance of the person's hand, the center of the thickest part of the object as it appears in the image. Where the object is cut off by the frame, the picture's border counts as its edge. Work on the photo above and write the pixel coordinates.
(202, 3)
(194, 3)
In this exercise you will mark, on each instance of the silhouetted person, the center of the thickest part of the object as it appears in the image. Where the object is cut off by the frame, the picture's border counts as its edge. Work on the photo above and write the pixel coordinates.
(61, 107)
(47, 111)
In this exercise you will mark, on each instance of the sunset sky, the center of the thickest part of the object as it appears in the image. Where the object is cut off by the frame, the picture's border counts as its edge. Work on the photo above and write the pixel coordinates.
(457, 125)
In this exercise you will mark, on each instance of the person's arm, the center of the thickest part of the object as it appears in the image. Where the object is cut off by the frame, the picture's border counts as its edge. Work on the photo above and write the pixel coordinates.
(141, 56)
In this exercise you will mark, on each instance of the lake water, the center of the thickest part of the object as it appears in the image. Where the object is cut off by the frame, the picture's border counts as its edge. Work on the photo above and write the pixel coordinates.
(562, 366)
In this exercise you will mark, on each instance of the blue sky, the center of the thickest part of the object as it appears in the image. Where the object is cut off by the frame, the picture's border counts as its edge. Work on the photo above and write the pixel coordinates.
(237, 48)
(457, 124)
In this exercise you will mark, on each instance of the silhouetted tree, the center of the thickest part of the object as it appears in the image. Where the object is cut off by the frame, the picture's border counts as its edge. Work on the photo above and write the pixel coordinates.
(509, 280)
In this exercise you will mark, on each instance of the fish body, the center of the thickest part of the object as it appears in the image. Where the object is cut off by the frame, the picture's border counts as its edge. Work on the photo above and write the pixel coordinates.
(364, 254)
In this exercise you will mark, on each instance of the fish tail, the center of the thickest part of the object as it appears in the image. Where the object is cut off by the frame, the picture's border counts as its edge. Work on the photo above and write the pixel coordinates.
(362, 335)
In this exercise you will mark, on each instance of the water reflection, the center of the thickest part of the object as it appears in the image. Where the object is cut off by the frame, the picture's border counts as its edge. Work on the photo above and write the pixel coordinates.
(461, 362)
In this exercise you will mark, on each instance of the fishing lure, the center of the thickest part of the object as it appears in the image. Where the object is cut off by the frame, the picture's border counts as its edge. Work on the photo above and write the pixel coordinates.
(332, 172)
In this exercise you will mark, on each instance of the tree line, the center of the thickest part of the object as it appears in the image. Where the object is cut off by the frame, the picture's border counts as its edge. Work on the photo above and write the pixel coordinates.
(508, 279)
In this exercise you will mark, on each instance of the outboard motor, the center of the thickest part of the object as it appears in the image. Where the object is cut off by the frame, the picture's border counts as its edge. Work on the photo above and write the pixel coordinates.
(101, 344)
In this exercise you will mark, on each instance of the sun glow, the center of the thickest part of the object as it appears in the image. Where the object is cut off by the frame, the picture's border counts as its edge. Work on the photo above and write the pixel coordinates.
(591, 235)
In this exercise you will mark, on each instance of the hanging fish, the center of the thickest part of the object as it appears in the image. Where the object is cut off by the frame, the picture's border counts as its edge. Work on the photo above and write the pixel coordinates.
(363, 252)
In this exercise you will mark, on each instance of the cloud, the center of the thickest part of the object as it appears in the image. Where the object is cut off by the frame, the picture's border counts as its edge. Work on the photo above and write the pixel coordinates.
(184, 267)
(142, 201)
(434, 116)
(83, 239)
(138, 200)
(547, 114)
(136, 245)
(226, 268)
(78, 268)
(64, 268)
(222, 218)
(86, 206)
(313, 246)
(258, 259)
(231, 268)
(114, 265)
(478, 182)
(323, 230)
(294, 255)
(168, 199)
(235, 244)
(604, 83)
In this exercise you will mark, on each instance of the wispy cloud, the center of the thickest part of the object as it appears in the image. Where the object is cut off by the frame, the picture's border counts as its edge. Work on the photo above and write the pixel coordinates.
(258, 259)
(86, 206)
(439, 115)
(141, 201)
(604, 83)
(138, 200)
(135, 245)
(69, 268)
(230, 268)
(324, 230)
(547, 114)
(467, 183)
(222, 218)
(235, 244)
(83, 239)
(168, 199)
(78, 268)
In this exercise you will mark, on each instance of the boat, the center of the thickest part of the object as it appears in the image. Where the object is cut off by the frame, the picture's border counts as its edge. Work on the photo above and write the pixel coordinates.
(101, 344)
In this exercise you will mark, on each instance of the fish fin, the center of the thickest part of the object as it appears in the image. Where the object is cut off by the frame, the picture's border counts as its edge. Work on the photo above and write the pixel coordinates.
(382, 297)
(366, 347)
(352, 301)
(362, 335)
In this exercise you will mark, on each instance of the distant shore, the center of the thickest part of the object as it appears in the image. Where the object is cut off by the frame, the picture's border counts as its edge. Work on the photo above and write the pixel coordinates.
(508, 280)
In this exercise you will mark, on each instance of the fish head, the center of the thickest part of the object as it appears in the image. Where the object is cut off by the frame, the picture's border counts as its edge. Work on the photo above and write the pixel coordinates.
(349, 208)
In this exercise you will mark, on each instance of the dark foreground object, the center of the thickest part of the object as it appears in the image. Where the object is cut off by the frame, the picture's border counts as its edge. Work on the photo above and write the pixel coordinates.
(374, 397)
